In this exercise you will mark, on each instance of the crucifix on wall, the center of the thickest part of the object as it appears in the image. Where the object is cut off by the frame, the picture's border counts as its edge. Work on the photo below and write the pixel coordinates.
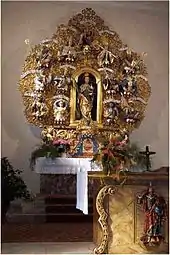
(147, 153)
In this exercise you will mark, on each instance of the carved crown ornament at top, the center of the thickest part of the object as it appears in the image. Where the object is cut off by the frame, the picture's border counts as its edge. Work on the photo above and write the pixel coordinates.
(84, 78)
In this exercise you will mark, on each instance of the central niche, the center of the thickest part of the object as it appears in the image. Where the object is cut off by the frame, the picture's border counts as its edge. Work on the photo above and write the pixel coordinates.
(86, 97)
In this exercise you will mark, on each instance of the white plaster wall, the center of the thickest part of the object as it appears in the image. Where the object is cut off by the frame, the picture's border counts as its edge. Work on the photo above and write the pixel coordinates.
(142, 25)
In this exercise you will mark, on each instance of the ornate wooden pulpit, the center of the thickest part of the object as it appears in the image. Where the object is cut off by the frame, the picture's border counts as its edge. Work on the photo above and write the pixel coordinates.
(120, 219)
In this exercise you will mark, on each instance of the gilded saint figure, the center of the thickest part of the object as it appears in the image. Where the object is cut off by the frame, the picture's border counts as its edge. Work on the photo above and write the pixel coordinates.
(86, 105)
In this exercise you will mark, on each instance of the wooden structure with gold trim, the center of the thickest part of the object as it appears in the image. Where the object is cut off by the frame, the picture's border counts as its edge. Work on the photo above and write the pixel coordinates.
(56, 100)
(118, 220)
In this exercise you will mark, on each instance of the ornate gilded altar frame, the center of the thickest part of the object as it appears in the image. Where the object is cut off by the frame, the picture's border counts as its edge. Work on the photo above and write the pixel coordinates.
(73, 121)
(103, 55)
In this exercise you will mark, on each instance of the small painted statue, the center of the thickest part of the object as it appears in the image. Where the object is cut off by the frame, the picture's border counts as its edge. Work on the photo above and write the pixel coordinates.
(131, 116)
(62, 82)
(128, 86)
(106, 57)
(155, 210)
(86, 38)
(44, 59)
(39, 83)
(68, 53)
(60, 111)
(39, 109)
(110, 112)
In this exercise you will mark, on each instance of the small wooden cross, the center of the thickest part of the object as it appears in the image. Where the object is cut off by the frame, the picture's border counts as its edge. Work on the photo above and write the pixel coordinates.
(147, 154)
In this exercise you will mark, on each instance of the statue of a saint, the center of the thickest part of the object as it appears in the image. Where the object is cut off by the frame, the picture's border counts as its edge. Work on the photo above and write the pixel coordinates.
(86, 38)
(106, 57)
(44, 59)
(132, 86)
(60, 112)
(131, 116)
(110, 112)
(39, 83)
(63, 81)
(68, 52)
(39, 108)
(155, 213)
(86, 99)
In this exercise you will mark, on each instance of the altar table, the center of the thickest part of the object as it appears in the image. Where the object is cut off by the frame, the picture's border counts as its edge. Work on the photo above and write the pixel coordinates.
(78, 166)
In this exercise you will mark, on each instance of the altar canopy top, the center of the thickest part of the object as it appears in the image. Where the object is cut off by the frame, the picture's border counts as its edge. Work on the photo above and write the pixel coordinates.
(84, 80)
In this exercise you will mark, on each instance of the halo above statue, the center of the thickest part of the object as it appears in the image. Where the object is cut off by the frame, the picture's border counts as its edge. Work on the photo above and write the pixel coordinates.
(85, 80)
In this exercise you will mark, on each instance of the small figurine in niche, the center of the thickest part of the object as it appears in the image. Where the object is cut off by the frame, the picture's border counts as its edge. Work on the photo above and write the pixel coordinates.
(106, 83)
(44, 59)
(39, 108)
(106, 57)
(131, 87)
(63, 81)
(110, 112)
(108, 80)
(155, 210)
(132, 116)
(114, 86)
(39, 85)
(68, 53)
(86, 37)
(123, 86)
(60, 111)
(132, 66)
(125, 105)
(60, 82)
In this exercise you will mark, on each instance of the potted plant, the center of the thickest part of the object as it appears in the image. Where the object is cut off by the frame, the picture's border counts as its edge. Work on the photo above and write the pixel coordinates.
(12, 186)
(50, 149)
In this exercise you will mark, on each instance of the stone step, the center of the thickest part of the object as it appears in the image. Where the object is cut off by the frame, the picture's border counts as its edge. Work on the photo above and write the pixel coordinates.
(71, 217)
(67, 209)
(49, 218)
(62, 208)
(48, 208)
(64, 200)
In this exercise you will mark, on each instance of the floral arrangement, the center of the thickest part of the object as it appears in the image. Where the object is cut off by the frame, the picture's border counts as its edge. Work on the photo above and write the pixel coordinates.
(119, 155)
(50, 149)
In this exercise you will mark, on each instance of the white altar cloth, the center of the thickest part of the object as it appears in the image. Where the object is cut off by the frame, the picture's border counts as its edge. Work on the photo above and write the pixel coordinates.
(79, 166)
(62, 165)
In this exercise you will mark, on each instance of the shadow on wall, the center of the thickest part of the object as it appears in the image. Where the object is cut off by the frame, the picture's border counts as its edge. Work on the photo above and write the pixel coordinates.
(156, 134)
(21, 159)
(18, 149)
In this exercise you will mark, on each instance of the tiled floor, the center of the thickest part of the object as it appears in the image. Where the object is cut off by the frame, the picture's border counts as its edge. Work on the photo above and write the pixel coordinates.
(47, 248)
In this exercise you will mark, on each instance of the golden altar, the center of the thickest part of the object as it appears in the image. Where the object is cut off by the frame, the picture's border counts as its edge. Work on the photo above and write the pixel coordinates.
(84, 85)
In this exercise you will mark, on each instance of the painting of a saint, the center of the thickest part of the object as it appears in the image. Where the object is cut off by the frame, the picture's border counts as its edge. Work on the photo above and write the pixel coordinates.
(86, 98)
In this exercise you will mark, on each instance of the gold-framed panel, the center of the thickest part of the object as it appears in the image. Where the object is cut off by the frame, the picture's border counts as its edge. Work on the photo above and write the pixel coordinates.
(73, 121)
